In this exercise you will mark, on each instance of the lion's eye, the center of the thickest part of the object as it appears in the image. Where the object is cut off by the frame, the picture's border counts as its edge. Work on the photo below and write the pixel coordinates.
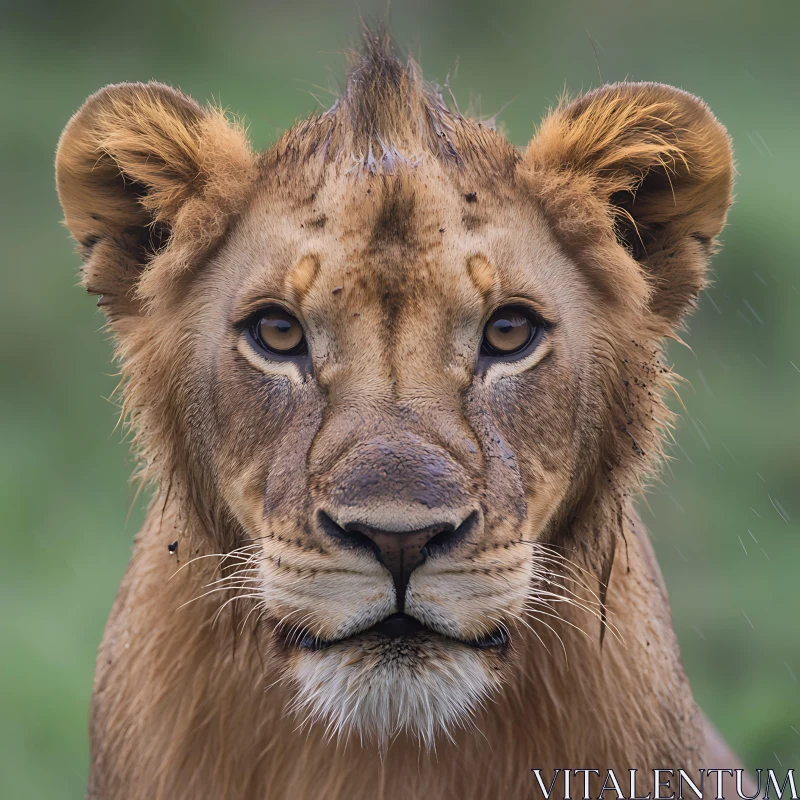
(278, 332)
(509, 331)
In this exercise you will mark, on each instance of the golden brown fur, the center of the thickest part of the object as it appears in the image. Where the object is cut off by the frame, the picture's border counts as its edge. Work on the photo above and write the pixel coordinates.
(392, 226)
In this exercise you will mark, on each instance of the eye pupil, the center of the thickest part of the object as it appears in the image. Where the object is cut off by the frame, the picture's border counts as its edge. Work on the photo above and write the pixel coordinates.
(504, 326)
(278, 332)
(509, 331)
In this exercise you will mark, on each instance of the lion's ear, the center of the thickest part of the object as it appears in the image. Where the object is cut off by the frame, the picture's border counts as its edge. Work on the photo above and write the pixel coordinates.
(661, 165)
(136, 165)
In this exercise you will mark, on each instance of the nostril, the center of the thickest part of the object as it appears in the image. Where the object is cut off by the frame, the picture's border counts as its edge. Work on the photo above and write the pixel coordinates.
(400, 551)
(446, 540)
(348, 537)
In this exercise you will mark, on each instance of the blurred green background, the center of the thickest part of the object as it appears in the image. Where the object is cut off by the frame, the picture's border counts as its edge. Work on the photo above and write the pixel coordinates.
(725, 519)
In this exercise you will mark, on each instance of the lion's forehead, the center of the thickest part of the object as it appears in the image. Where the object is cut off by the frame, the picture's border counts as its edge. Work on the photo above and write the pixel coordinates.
(391, 253)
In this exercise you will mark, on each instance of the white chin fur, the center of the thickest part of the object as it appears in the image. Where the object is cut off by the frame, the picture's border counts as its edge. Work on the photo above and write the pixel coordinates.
(379, 688)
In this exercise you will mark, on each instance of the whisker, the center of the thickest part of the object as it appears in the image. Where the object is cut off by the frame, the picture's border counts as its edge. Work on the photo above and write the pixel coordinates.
(210, 592)
(523, 621)
(561, 641)
(233, 554)
(230, 600)
(238, 575)
(247, 617)
(538, 610)
(542, 598)
(551, 578)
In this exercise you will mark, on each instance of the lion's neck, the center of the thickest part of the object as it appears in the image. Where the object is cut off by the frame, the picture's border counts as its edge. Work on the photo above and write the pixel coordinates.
(181, 706)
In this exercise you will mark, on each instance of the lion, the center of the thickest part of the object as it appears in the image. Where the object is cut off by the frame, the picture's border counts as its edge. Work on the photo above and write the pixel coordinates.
(397, 384)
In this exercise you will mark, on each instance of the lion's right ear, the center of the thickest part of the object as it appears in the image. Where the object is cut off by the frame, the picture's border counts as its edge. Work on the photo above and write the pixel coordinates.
(655, 167)
(140, 169)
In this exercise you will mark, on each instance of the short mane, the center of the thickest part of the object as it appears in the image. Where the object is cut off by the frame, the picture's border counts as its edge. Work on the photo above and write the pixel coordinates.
(388, 115)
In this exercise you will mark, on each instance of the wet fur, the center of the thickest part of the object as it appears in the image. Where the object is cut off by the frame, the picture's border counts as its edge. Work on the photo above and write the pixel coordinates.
(372, 211)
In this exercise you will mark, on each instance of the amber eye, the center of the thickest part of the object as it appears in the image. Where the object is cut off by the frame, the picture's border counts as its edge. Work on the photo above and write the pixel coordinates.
(278, 332)
(509, 331)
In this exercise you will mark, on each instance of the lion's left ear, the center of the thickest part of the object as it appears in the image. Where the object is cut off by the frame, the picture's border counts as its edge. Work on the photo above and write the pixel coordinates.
(140, 168)
(657, 165)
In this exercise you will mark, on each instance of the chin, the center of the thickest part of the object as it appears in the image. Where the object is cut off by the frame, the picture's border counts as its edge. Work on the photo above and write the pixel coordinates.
(398, 678)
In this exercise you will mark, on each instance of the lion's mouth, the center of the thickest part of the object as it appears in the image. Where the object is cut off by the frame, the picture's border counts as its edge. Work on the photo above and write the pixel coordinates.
(399, 626)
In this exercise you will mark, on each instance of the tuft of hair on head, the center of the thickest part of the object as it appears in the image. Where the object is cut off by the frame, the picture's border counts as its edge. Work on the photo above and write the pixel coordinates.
(387, 116)
(384, 98)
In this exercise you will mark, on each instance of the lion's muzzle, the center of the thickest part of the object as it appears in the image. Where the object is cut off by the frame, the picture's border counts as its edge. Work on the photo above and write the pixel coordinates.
(400, 551)
(401, 499)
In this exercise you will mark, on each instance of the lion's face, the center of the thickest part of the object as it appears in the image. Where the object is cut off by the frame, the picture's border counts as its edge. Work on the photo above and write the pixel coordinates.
(393, 457)
(393, 365)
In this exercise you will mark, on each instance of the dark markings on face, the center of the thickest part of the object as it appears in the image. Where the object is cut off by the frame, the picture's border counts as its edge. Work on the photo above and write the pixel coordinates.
(318, 223)
(472, 222)
(393, 245)
(393, 224)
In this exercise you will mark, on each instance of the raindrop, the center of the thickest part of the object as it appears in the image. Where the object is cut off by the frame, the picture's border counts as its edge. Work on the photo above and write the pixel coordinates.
(700, 433)
(761, 139)
(754, 143)
(779, 508)
(705, 382)
(752, 311)
(742, 544)
(733, 457)
(677, 504)
(685, 454)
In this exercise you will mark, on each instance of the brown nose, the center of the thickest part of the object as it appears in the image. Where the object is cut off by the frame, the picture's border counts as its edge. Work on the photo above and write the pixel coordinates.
(401, 552)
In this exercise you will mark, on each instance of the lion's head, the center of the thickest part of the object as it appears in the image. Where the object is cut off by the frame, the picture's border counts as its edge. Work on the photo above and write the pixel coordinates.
(395, 366)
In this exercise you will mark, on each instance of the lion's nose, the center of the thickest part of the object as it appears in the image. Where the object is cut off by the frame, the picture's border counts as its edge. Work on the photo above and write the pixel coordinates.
(400, 551)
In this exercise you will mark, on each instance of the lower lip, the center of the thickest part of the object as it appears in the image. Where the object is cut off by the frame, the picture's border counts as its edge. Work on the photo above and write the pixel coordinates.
(401, 626)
